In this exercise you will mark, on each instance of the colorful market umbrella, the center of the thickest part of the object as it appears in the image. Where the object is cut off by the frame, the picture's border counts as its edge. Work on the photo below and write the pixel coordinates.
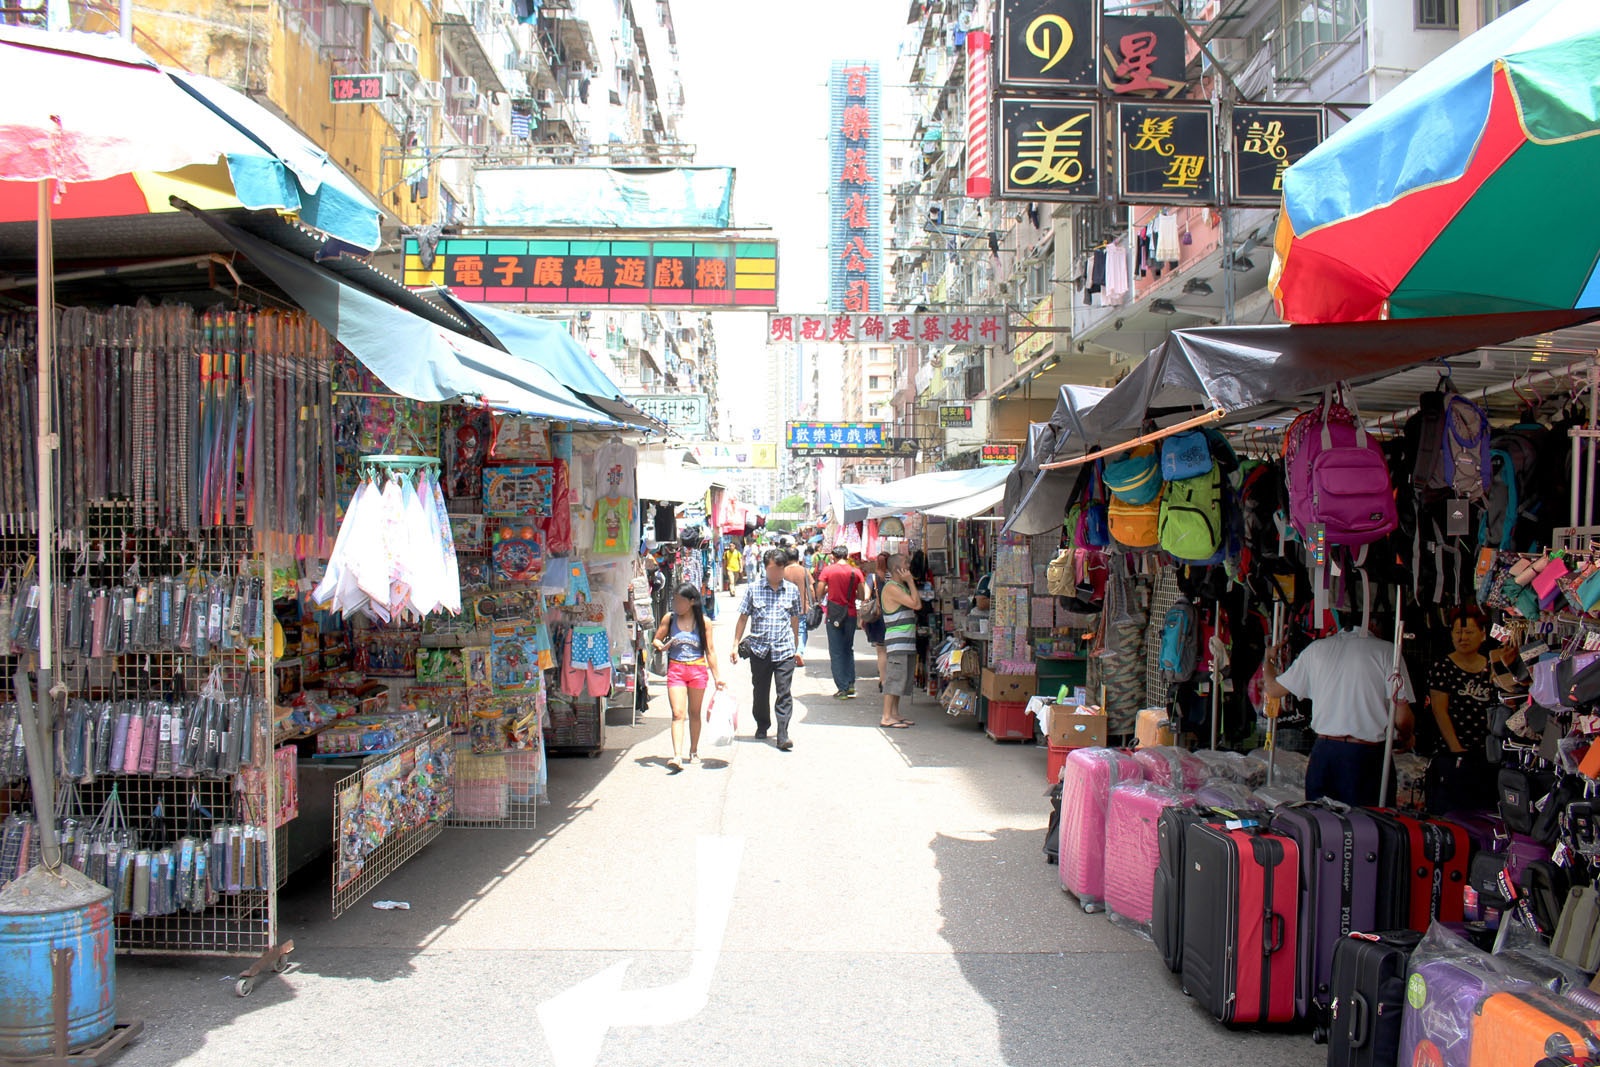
(1468, 189)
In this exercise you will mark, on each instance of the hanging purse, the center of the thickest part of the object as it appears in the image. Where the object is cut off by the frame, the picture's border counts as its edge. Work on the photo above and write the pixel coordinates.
(1545, 582)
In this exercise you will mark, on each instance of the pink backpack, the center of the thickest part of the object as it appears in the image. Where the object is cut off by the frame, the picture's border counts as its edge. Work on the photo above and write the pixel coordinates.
(1337, 476)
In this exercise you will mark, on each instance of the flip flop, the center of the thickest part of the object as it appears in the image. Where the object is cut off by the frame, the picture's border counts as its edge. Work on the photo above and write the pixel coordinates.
(906, 722)
(901, 725)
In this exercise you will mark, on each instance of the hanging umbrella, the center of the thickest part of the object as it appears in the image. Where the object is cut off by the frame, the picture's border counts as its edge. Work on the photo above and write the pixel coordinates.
(1465, 190)
(86, 108)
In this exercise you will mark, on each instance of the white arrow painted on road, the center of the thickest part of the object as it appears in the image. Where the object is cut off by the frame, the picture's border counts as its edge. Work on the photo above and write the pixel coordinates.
(575, 1022)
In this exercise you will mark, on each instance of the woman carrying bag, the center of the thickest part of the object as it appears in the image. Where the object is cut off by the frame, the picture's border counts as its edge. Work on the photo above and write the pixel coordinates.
(691, 670)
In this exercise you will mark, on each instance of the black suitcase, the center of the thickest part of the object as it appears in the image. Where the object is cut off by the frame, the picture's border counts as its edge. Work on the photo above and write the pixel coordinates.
(1394, 877)
(1052, 836)
(1369, 993)
(1166, 920)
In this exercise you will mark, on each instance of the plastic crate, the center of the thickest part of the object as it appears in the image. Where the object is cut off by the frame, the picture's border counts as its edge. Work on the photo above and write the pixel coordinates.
(1009, 721)
(1054, 761)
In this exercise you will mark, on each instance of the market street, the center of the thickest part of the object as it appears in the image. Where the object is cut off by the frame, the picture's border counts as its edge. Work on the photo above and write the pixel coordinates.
(892, 906)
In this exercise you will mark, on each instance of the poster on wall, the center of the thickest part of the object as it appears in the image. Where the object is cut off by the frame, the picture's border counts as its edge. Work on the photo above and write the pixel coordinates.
(519, 489)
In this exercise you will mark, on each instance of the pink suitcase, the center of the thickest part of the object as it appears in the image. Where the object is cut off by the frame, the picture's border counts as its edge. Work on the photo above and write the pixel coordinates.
(1131, 865)
(1171, 766)
(1087, 781)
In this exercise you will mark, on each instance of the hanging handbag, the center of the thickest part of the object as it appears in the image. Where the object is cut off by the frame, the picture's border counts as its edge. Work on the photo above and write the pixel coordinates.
(1589, 590)
(1545, 582)
(872, 610)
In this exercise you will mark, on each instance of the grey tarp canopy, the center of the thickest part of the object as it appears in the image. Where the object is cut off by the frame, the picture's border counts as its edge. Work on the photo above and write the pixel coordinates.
(1252, 372)
(1034, 505)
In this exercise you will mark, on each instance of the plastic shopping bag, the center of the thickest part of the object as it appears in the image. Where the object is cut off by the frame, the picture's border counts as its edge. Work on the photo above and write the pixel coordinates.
(722, 718)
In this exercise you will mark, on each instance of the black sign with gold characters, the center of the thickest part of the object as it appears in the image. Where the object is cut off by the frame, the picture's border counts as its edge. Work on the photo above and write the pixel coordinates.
(1143, 55)
(1050, 149)
(1266, 142)
(1049, 44)
(1166, 153)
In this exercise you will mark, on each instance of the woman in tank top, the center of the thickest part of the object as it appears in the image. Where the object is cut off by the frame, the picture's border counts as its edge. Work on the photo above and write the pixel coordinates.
(691, 669)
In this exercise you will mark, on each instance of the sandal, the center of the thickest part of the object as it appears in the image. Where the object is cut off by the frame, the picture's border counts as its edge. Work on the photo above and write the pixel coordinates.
(899, 724)
(673, 766)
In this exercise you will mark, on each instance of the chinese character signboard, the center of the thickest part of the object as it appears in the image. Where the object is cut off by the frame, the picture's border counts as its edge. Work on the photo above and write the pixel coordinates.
(1266, 142)
(1049, 150)
(724, 455)
(837, 438)
(855, 242)
(726, 274)
(955, 416)
(1166, 153)
(1143, 55)
(891, 329)
(998, 454)
(355, 88)
(1048, 44)
(685, 413)
(979, 183)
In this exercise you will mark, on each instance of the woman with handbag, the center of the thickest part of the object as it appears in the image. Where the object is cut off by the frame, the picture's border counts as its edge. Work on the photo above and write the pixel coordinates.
(872, 613)
(691, 670)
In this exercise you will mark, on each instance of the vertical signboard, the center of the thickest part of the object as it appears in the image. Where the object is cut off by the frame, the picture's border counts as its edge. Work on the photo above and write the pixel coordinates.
(979, 184)
(1049, 44)
(1166, 153)
(1050, 149)
(855, 139)
(1266, 142)
(1144, 55)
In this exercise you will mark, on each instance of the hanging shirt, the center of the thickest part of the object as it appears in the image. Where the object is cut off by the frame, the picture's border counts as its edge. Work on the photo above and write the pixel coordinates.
(1167, 237)
(1116, 273)
(614, 466)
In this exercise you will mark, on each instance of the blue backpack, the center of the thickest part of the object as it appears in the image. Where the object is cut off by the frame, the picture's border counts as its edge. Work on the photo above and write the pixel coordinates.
(1180, 642)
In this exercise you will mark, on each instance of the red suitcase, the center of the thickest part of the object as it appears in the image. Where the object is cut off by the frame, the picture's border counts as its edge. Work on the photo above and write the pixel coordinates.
(1440, 853)
(1241, 913)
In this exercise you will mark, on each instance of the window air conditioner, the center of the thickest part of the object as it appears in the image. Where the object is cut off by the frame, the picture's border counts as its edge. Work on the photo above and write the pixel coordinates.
(399, 55)
(462, 87)
(428, 94)
(478, 105)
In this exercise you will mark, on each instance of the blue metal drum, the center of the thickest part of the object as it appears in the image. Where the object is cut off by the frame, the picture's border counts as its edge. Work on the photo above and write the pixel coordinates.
(40, 913)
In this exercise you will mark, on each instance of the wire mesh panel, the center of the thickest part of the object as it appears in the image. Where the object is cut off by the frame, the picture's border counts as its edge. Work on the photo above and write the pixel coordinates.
(387, 811)
(498, 790)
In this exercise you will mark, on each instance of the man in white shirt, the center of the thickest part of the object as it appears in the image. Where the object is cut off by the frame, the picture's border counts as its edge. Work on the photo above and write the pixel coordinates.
(1348, 678)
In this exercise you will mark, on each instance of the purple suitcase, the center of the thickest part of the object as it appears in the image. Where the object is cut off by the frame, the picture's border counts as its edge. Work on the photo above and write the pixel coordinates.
(1224, 794)
(1086, 783)
(1339, 850)
(1131, 822)
(1441, 996)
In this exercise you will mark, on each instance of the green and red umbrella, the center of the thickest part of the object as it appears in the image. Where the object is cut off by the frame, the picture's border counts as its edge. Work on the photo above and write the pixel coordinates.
(1468, 189)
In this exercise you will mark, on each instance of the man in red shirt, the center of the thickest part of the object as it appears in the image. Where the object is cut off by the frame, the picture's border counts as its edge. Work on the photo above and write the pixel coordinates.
(839, 588)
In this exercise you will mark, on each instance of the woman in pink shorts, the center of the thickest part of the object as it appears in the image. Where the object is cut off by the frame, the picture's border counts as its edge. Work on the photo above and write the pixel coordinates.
(691, 669)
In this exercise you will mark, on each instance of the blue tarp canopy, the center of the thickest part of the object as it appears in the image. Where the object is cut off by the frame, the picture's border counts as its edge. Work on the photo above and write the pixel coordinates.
(549, 345)
(414, 357)
(925, 492)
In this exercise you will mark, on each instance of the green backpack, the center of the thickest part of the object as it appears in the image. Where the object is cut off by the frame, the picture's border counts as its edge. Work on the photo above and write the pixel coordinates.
(1191, 516)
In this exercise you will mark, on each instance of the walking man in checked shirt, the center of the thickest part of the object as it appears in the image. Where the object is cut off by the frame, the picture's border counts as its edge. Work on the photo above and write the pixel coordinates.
(771, 611)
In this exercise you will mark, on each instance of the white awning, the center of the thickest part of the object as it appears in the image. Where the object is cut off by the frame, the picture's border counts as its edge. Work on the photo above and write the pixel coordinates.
(968, 506)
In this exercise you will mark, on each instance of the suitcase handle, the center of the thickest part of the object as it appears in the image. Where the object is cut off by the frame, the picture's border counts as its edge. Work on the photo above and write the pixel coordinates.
(1274, 933)
(1360, 1020)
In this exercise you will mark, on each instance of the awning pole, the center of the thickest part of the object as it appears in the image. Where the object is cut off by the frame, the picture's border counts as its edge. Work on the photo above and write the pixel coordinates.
(1214, 415)
(1394, 691)
(43, 793)
(1216, 674)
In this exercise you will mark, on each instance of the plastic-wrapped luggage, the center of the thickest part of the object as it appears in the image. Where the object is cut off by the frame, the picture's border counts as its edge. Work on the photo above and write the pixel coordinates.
(1217, 765)
(1287, 767)
(1131, 825)
(1269, 797)
(1171, 766)
(1530, 1028)
(1448, 977)
(1224, 793)
(1086, 784)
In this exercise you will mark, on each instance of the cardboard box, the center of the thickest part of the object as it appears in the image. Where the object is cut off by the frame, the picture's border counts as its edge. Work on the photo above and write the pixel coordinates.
(1076, 727)
(1011, 688)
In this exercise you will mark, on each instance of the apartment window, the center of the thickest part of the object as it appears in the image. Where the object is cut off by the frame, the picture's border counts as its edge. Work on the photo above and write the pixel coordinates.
(468, 127)
(1493, 9)
(1437, 14)
(875, 381)
(1307, 30)
(340, 30)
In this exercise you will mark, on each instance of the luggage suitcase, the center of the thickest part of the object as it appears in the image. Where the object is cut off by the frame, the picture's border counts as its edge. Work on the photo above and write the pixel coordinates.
(1052, 835)
(1224, 794)
(1086, 786)
(1369, 995)
(1166, 921)
(1170, 766)
(1152, 727)
(1339, 851)
(1270, 797)
(1438, 854)
(1525, 1027)
(1131, 825)
(1287, 767)
(1240, 914)
(1441, 996)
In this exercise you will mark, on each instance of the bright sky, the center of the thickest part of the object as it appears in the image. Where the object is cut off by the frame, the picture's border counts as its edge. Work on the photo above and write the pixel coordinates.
(755, 78)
